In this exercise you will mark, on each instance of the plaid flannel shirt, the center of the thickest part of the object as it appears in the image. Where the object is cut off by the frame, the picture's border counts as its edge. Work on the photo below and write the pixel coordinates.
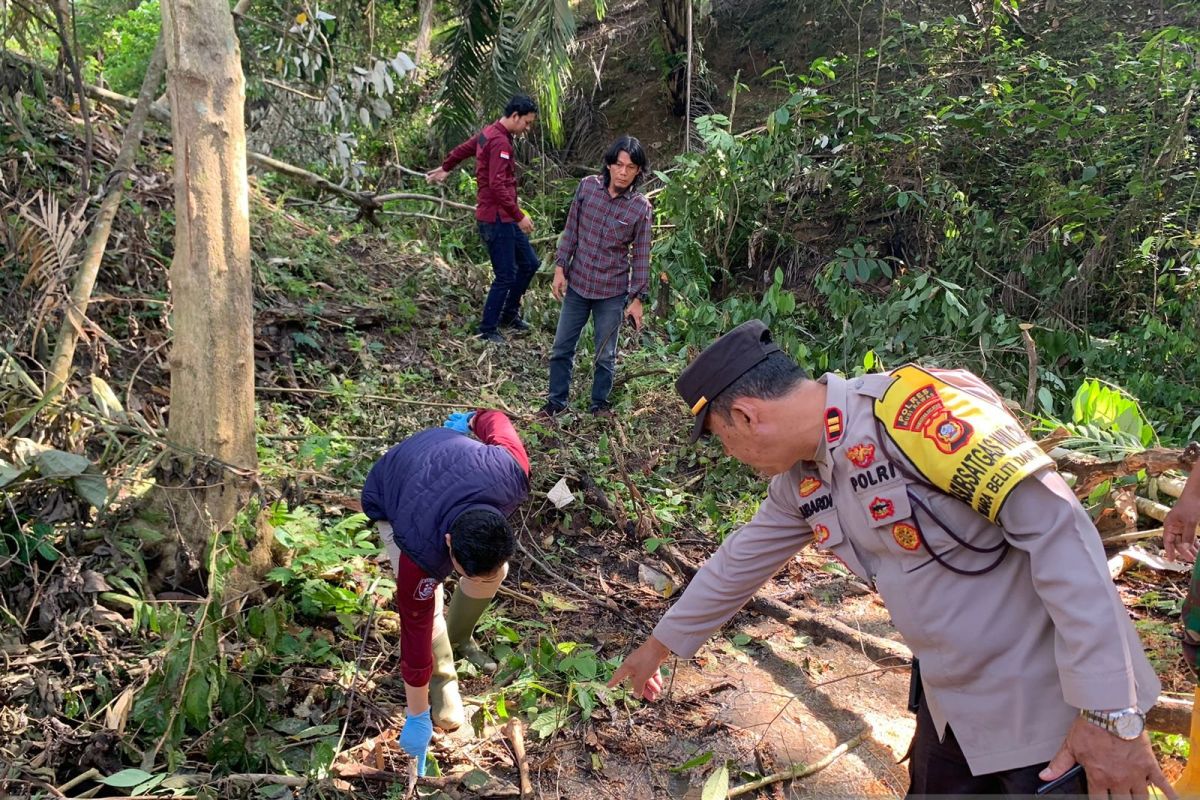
(605, 249)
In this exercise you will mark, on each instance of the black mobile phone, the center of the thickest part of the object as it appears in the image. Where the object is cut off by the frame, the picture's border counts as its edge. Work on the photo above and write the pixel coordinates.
(1060, 781)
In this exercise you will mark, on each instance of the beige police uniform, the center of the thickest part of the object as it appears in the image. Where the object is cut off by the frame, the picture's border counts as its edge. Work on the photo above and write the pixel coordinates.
(992, 571)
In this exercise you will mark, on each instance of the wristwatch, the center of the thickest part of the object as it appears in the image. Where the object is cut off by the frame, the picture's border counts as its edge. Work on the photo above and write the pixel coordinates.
(1125, 723)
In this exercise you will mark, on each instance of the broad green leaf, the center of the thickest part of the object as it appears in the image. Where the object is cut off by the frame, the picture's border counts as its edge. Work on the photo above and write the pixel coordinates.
(9, 473)
(717, 785)
(558, 603)
(58, 464)
(694, 761)
(475, 779)
(93, 488)
(548, 722)
(196, 701)
(126, 778)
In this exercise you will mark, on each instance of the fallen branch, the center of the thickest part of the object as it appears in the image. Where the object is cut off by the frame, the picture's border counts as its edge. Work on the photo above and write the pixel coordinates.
(514, 731)
(1090, 473)
(1170, 715)
(1032, 357)
(799, 770)
(89, 268)
(823, 625)
(367, 203)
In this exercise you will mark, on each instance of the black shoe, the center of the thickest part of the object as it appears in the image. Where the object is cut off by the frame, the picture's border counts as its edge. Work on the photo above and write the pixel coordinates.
(516, 324)
(549, 411)
(491, 336)
(602, 410)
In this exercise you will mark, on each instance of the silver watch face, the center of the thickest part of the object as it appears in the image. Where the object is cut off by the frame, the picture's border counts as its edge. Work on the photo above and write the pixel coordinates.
(1129, 726)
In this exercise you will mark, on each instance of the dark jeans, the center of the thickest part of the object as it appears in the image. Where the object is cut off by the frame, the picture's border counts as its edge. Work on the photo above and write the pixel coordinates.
(606, 319)
(941, 768)
(513, 264)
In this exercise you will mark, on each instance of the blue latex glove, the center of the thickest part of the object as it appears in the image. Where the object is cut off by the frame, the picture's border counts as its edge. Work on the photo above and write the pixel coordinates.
(414, 739)
(459, 421)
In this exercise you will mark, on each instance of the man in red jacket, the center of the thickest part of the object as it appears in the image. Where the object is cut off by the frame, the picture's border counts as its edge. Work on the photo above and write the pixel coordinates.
(503, 226)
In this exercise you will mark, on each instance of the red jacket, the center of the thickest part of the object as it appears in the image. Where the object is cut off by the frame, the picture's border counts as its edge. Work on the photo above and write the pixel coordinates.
(494, 173)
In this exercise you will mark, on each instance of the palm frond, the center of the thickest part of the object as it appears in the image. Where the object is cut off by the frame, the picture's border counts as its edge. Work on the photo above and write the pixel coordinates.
(48, 240)
(549, 27)
(496, 48)
(467, 47)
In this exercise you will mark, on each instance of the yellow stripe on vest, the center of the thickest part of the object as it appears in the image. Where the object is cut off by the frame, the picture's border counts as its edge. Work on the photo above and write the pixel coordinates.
(965, 446)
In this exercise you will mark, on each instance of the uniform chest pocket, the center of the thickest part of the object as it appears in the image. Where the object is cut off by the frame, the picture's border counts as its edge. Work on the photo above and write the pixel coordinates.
(621, 227)
(885, 505)
(827, 530)
(889, 512)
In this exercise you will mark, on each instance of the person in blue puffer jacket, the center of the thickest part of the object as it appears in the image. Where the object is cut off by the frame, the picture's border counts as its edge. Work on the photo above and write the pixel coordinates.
(441, 502)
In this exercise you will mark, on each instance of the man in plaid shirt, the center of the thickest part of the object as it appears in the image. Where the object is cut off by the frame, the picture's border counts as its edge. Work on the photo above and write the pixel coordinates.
(603, 261)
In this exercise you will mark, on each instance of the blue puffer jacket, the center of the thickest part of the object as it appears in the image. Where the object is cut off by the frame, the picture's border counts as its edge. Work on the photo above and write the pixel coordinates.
(422, 485)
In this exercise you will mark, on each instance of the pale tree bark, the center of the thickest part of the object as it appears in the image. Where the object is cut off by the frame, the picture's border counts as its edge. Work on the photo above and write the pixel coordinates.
(212, 353)
(424, 31)
(89, 269)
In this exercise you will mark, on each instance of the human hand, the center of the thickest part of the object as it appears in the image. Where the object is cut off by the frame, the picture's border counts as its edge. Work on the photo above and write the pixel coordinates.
(459, 421)
(436, 175)
(634, 312)
(1179, 528)
(415, 738)
(641, 667)
(526, 224)
(558, 286)
(1124, 768)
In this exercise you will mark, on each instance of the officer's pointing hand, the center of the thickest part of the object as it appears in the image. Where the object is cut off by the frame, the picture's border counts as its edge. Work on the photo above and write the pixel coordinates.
(641, 668)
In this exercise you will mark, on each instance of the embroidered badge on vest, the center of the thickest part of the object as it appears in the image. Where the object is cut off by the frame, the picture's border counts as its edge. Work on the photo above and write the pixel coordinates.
(882, 508)
(424, 589)
(963, 443)
(820, 534)
(833, 424)
(809, 485)
(907, 536)
(861, 455)
(924, 412)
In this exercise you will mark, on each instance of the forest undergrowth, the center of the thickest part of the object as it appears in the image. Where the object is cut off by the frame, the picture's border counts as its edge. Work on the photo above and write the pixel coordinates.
(927, 206)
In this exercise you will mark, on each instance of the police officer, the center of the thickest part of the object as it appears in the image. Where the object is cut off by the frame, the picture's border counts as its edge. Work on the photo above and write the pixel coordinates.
(922, 484)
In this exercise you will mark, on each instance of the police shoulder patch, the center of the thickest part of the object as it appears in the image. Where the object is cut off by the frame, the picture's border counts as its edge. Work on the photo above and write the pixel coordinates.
(833, 424)
(964, 445)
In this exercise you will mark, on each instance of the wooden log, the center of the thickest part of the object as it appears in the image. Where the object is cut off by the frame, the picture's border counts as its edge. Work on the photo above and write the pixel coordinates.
(1090, 473)
(1171, 715)
(821, 625)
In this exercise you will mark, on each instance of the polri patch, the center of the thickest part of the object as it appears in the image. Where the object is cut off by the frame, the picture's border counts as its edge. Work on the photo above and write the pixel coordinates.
(809, 485)
(861, 455)
(907, 536)
(882, 508)
(924, 412)
(833, 424)
(820, 534)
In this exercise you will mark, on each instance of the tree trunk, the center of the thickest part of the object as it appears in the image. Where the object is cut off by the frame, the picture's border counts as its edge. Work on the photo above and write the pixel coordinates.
(211, 418)
(673, 19)
(424, 31)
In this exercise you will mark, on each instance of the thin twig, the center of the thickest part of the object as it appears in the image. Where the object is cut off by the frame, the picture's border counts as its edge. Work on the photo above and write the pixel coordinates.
(797, 771)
